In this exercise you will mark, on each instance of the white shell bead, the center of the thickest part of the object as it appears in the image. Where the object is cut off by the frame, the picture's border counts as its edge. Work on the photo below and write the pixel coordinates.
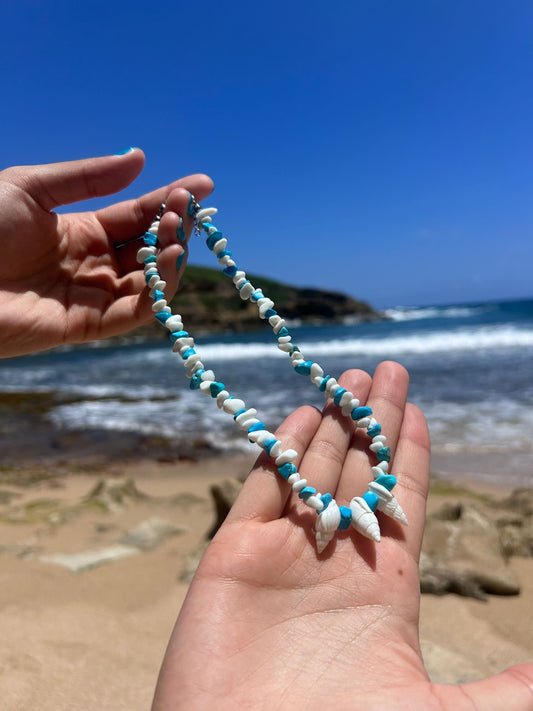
(363, 423)
(222, 396)
(240, 282)
(285, 347)
(331, 386)
(314, 502)
(275, 450)
(379, 438)
(246, 291)
(346, 398)
(224, 261)
(384, 466)
(252, 412)
(299, 485)
(293, 478)
(209, 375)
(277, 325)
(154, 279)
(159, 305)
(233, 405)
(376, 446)
(284, 339)
(364, 520)
(317, 380)
(145, 252)
(316, 372)
(206, 212)
(377, 471)
(154, 227)
(289, 455)
(205, 387)
(238, 276)
(150, 269)
(174, 323)
(262, 437)
(220, 245)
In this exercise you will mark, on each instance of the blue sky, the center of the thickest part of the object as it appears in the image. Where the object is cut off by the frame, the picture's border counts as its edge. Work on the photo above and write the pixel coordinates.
(383, 149)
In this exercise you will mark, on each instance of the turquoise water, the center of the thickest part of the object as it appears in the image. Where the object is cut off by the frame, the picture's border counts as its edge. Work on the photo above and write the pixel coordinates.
(470, 366)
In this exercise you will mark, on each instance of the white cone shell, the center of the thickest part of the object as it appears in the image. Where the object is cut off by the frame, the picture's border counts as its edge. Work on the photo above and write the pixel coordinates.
(364, 520)
(326, 525)
(388, 504)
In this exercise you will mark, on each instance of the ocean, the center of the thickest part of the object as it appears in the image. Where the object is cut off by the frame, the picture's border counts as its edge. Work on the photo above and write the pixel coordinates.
(470, 367)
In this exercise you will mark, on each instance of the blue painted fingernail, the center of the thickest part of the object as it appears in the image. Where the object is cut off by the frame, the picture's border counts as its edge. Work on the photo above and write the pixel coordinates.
(180, 232)
(126, 150)
(179, 261)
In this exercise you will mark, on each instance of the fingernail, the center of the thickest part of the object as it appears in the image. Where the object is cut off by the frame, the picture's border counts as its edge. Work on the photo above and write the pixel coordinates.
(126, 150)
(193, 206)
(180, 232)
(179, 261)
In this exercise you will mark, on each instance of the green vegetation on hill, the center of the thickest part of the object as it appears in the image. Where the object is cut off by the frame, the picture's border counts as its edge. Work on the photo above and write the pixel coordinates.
(208, 301)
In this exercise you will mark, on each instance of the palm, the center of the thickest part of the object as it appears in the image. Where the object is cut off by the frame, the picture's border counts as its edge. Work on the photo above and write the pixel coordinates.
(63, 277)
(269, 624)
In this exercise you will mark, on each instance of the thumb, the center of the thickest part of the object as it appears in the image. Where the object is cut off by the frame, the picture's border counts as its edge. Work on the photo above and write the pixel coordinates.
(57, 184)
(512, 689)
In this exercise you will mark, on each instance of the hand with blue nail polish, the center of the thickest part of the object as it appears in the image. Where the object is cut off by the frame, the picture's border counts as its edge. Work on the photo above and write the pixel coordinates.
(73, 277)
(268, 623)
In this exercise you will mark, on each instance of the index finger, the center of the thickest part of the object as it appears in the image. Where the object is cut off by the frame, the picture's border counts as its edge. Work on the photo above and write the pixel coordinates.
(130, 218)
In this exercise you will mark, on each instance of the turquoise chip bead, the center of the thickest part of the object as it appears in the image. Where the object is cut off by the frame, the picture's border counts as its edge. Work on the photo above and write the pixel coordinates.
(270, 312)
(158, 295)
(257, 426)
(213, 238)
(337, 397)
(383, 454)
(323, 382)
(177, 334)
(225, 253)
(282, 332)
(163, 316)
(196, 379)
(187, 353)
(304, 368)
(152, 259)
(230, 271)
(149, 239)
(387, 480)
(294, 349)
(374, 431)
(326, 499)
(371, 499)
(287, 469)
(346, 518)
(246, 281)
(359, 412)
(306, 492)
(216, 388)
(268, 445)
(258, 295)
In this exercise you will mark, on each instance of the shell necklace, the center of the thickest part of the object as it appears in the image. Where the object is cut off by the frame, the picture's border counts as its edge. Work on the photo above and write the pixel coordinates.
(360, 513)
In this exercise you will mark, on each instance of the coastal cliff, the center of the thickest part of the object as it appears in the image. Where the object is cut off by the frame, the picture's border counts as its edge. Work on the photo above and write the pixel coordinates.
(207, 300)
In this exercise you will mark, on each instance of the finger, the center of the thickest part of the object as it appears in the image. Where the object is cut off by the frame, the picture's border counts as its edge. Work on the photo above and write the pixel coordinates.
(129, 219)
(511, 689)
(57, 184)
(264, 493)
(387, 398)
(411, 467)
(324, 459)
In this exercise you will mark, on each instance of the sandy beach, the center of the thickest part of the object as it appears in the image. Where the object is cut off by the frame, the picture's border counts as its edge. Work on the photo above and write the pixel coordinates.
(94, 639)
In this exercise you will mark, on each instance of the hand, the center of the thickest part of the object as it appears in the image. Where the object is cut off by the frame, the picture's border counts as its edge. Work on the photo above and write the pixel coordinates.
(269, 624)
(64, 278)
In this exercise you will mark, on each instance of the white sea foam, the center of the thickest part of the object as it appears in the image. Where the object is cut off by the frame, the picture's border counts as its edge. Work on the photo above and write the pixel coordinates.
(465, 339)
(405, 313)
